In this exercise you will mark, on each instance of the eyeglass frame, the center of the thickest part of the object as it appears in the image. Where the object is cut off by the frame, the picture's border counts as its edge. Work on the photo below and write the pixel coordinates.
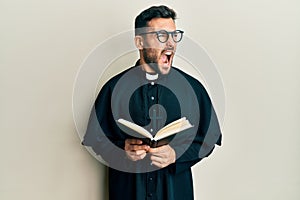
(164, 31)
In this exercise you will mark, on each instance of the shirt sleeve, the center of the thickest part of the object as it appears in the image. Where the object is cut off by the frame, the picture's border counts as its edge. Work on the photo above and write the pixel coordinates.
(102, 130)
(203, 143)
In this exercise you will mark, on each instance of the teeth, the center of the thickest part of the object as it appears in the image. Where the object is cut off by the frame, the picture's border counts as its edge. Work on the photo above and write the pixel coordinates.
(168, 53)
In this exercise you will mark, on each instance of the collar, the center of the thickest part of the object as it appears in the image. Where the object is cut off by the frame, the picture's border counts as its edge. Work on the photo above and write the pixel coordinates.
(148, 76)
(151, 77)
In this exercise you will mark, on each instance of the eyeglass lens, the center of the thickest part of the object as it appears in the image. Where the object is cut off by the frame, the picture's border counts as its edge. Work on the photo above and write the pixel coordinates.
(163, 36)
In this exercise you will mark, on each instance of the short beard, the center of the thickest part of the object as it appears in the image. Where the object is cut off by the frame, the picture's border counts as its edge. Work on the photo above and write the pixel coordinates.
(151, 60)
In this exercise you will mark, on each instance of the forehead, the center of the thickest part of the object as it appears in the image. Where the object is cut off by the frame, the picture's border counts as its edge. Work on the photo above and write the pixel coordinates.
(162, 23)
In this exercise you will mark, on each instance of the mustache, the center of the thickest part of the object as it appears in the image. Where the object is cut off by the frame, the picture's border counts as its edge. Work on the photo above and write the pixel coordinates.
(165, 49)
(169, 49)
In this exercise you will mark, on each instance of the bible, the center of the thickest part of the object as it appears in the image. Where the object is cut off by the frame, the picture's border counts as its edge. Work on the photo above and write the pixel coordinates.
(162, 137)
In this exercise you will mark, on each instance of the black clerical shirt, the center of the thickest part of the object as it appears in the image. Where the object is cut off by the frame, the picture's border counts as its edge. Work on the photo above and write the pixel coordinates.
(152, 104)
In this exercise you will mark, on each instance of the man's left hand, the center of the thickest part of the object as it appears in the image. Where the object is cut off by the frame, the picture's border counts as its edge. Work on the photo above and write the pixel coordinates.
(162, 156)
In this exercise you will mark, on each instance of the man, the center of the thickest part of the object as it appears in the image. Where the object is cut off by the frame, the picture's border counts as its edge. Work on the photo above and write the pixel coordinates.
(152, 94)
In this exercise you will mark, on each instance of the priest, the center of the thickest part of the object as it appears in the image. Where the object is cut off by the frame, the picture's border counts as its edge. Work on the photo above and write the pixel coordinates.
(152, 94)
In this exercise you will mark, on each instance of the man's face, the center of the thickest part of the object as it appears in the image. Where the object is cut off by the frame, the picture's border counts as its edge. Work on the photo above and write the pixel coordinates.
(158, 55)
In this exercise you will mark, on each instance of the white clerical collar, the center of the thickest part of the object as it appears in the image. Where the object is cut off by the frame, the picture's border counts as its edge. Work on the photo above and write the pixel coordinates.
(151, 77)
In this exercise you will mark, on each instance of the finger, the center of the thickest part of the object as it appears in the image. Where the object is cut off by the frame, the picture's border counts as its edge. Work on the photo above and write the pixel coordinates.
(154, 150)
(133, 141)
(136, 147)
(140, 152)
(138, 156)
(132, 156)
(157, 155)
(157, 164)
(160, 149)
(160, 162)
(157, 159)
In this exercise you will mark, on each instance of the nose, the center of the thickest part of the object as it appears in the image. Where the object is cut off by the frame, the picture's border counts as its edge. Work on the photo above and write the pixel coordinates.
(170, 42)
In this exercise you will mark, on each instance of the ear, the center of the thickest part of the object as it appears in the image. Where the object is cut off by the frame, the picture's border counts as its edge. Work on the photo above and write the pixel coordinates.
(138, 40)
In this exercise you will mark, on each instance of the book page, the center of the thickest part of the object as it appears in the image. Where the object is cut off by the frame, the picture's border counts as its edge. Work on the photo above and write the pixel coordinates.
(172, 128)
(173, 123)
(135, 128)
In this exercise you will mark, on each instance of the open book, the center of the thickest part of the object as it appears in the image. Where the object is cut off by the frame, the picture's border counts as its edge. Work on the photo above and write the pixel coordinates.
(162, 137)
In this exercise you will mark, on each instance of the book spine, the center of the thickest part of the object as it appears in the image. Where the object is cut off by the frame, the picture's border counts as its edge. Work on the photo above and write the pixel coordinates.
(153, 144)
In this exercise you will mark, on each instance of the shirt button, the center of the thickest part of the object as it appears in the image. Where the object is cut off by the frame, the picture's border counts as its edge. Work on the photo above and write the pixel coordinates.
(150, 179)
(150, 195)
(151, 130)
(152, 83)
(152, 97)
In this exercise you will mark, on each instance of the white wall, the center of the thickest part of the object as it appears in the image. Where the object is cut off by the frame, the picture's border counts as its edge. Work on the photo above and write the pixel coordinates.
(255, 44)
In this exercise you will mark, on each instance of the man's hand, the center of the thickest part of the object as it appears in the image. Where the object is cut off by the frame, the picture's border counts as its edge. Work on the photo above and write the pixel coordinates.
(135, 149)
(162, 156)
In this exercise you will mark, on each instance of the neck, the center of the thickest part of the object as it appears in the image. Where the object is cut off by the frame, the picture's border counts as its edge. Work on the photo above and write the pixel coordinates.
(146, 67)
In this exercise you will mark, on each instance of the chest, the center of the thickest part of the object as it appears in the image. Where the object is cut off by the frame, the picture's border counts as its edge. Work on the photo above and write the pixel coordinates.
(153, 106)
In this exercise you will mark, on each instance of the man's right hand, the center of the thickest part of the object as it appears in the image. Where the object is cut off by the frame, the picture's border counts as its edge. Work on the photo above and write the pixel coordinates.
(135, 149)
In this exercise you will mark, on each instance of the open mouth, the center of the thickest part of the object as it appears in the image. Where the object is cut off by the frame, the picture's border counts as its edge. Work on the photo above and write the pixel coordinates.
(168, 54)
(166, 57)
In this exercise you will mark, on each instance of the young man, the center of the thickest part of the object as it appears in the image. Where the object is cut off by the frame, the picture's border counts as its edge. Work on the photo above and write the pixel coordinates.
(152, 94)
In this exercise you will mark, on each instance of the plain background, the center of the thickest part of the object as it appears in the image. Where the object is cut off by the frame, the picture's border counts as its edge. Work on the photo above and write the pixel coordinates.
(255, 44)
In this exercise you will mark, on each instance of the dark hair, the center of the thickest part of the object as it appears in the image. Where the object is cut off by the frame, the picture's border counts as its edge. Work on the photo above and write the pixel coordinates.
(153, 12)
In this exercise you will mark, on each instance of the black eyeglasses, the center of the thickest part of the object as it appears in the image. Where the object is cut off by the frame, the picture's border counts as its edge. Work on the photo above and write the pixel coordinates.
(163, 35)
